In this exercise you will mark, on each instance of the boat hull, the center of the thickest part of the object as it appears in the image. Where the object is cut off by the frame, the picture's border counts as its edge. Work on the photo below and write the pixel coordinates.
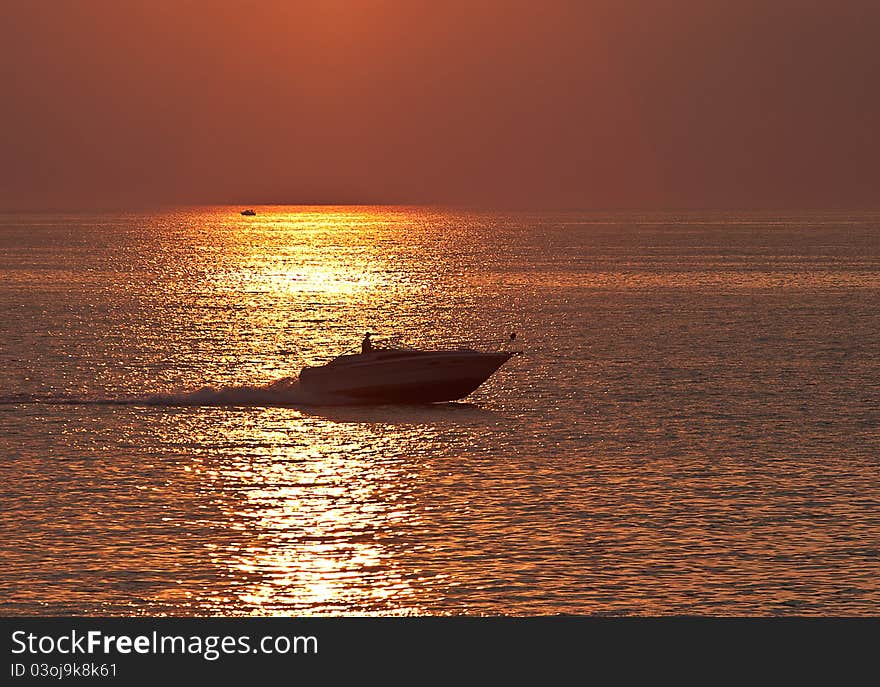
(403, 377)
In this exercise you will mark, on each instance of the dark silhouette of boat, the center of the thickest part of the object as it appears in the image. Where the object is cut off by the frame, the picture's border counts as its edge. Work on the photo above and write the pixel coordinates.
(394, 375)
(249, 212)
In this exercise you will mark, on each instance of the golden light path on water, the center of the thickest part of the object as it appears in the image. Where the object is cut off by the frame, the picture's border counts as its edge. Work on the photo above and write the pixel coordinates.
(312, 500)
(316, 509)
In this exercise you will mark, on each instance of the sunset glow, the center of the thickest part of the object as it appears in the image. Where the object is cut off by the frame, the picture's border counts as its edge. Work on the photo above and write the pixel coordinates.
(594, 104)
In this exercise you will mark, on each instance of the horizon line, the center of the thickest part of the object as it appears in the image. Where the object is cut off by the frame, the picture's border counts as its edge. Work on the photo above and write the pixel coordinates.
(462, 207)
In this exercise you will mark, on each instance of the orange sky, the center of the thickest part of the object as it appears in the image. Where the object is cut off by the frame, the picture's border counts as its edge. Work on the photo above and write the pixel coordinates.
(582, 104)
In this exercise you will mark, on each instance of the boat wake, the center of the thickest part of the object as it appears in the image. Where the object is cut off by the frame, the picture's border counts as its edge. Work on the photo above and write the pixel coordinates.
(286, 391)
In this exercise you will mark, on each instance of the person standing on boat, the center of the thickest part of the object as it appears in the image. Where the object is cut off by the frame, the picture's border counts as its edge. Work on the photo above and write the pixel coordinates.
(366, 344)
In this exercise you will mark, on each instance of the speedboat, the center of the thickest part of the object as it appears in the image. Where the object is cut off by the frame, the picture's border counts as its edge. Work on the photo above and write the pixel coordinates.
(394, 375)
(249, 212)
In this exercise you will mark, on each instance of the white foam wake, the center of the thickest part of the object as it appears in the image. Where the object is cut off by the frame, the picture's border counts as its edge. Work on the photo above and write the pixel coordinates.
(281, 392)
(286, 391)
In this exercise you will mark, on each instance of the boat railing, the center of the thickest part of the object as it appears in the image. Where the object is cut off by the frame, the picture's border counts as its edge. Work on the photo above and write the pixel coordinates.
(493, 343)
(396, 343)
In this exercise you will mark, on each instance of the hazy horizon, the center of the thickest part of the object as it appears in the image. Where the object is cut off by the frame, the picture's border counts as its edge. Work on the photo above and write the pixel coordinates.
(642, 106)
(446, 207)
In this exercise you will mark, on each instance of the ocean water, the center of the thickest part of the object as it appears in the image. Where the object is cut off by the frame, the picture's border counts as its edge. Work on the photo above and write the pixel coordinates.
(693, 427)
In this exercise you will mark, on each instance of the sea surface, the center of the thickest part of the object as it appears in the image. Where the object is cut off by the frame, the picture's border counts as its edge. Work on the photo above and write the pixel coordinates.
(693, 427)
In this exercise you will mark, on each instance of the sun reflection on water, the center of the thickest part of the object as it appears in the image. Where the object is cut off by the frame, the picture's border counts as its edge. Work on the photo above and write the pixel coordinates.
(312, 509)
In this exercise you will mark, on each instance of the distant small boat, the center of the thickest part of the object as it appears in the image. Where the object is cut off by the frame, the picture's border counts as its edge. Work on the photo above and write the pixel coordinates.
(249, 212)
